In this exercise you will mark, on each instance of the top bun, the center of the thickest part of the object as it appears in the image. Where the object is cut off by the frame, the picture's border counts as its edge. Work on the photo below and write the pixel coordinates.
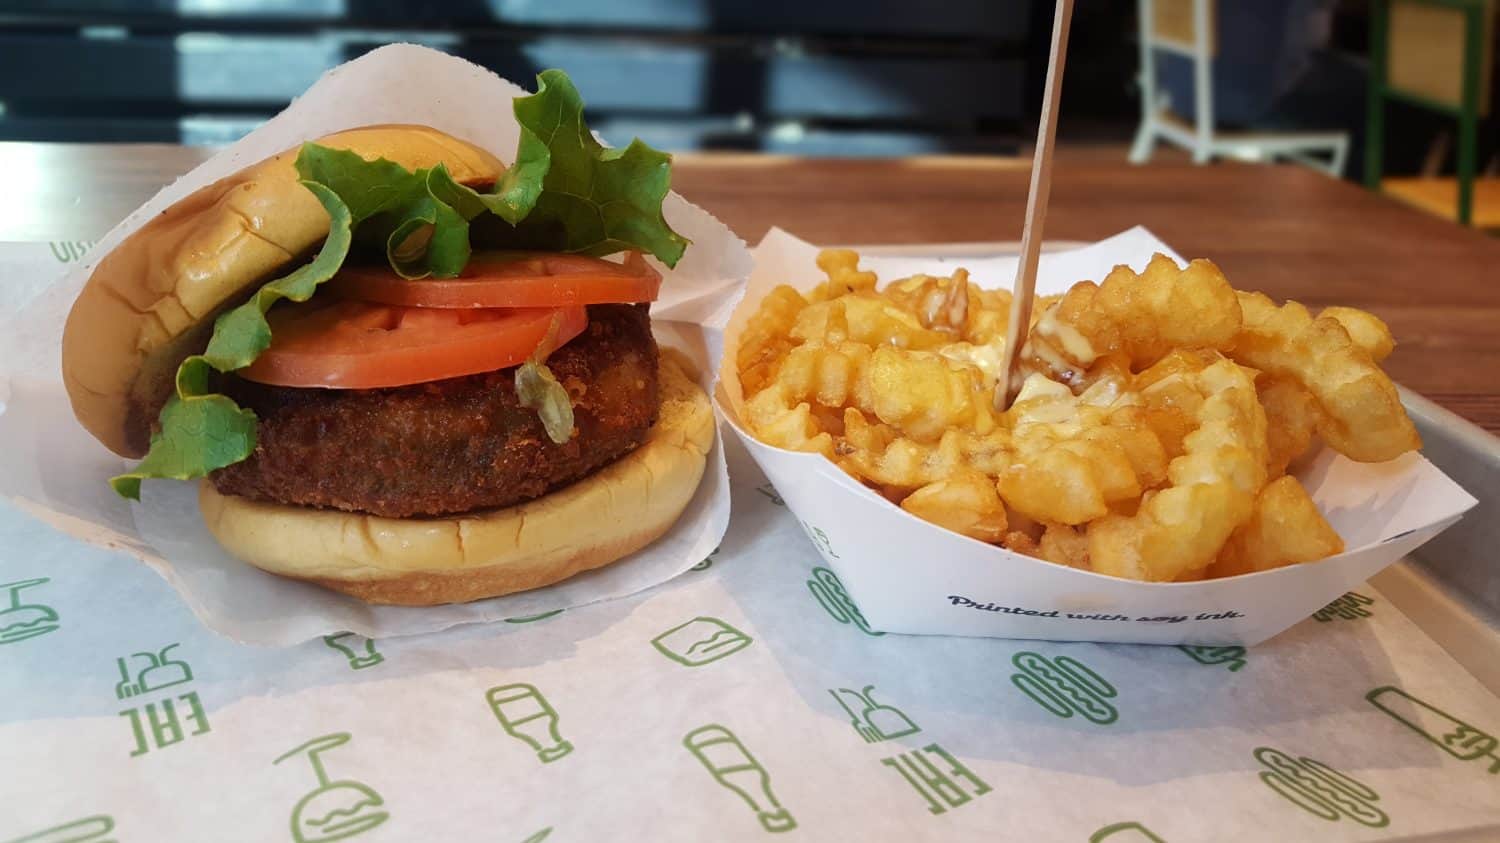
(151, 302)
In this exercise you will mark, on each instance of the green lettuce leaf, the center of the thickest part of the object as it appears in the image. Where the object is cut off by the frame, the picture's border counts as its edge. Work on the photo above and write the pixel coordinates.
(201, 431)
(594, 201)
(513, 196)
(422, 233)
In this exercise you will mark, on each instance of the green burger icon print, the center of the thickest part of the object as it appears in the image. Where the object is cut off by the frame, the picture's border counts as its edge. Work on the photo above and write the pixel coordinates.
(1319, 789)
(1065, 686)
(20, 621)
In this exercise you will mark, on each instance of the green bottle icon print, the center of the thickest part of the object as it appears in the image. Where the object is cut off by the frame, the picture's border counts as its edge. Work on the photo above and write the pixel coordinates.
(20, 621)
(527, 716)
(350, 645)
(871, 720)
(1453, 736)
(1231, 657)
(830, 594)
(1127, 832)
(87, 830)
(1350, 607)
(1319, 789)
(1065, 686)
(735, 769)
(334, 809)
(700, 641)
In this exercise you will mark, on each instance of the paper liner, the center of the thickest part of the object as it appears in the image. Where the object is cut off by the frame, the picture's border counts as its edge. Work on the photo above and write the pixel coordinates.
(53, 469)
(907, 575)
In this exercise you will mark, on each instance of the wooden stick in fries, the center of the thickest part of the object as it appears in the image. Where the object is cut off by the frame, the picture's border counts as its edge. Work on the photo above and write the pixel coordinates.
(1036, 209)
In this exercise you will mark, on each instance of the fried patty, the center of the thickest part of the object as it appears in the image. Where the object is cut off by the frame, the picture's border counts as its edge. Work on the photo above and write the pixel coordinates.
(455, 445)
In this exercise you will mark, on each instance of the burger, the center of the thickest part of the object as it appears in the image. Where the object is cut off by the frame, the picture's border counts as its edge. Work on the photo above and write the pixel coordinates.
(400, 369)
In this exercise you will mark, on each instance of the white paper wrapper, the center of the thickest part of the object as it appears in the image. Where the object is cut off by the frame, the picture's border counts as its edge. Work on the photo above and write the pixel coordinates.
(907, 575)
(860, 737)
(52, 468)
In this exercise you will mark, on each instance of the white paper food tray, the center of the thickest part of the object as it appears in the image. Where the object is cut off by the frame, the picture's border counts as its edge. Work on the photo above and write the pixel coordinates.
(909, 576)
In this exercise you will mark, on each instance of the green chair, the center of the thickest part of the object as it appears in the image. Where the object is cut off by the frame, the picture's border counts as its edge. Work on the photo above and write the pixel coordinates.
(1434, 54)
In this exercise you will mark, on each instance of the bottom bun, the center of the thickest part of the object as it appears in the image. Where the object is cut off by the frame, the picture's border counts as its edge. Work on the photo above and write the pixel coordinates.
(426, 561)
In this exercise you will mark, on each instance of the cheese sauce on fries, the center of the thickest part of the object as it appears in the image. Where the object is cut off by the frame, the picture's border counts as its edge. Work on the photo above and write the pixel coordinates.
(1151, 438)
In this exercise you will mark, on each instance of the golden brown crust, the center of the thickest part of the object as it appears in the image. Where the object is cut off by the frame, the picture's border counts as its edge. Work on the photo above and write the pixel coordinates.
(610, 514)
(149, 302)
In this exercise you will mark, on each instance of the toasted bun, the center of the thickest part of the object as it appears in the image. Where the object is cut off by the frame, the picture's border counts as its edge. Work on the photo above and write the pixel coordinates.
(421, 562)
(151, 302)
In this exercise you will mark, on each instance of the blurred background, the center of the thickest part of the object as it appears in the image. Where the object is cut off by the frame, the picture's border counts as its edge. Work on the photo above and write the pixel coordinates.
(1298, 79)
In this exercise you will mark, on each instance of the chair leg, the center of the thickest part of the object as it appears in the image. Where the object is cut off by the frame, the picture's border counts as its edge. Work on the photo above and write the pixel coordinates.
(1145, 133)
(1339, 156)
(1468, 116)
(1203, 84)
(1144, 143)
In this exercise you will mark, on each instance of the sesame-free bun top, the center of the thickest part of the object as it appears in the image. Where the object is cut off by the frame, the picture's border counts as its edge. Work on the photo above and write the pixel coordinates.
(151, 302)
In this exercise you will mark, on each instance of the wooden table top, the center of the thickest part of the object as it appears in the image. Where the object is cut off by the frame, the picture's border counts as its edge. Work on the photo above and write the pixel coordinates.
(1286, 230)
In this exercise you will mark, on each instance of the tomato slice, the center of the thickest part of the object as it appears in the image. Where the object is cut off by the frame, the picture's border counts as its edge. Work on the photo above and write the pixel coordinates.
(509, 279)
(347, 344)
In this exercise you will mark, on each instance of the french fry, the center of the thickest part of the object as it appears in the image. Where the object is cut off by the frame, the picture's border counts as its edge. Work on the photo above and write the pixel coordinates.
(1150, 440)
(1362, 417)
(1181, 528)
(1285, 528)
(965, 503)
(1142, 316)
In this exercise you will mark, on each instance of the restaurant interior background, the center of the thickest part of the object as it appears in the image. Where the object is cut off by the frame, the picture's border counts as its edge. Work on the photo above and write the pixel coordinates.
(836, 77)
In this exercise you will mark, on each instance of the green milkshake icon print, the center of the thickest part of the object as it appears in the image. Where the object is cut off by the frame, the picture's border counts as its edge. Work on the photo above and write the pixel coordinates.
(20, 621)
(334, 809)
(527, 716)
(734, 768)
(1455, 737)
(875, 722)
(160, 672)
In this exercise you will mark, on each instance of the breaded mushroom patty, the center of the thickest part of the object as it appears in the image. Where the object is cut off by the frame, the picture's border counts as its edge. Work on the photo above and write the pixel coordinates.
(450, 446)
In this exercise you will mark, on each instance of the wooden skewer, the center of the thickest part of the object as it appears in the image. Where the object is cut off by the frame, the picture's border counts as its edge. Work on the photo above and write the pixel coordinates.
(1036, 209)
